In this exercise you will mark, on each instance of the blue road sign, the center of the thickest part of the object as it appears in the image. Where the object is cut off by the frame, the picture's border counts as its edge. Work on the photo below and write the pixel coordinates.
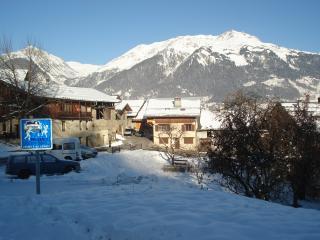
(36, 134)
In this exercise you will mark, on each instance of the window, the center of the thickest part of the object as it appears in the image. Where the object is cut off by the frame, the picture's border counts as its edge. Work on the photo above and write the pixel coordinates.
(63, 126)
(4, 127)
(188, 140)
(48, 158)
(99, 114)
(19, 159)
(187, 127)
(108, 114)
(67, 107)
(162, 128)
(164, 140)
(56, 147)
(32, 159)
(69, 146)
(83, 108)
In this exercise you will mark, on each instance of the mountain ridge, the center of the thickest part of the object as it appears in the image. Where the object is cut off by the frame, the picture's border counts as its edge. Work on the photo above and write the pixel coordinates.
(201, 65)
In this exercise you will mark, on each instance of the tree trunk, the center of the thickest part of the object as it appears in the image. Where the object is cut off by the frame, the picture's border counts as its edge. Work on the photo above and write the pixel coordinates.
(295, 203)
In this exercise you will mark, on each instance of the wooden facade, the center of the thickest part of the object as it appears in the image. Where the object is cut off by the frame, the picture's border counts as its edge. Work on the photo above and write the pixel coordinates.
(91, 121)
(69, 110)
(7, 94)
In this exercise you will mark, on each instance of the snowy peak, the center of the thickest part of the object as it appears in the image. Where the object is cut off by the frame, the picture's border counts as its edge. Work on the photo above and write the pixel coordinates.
(228, 43)
(236, 36)
(59, 71)
(83, 69)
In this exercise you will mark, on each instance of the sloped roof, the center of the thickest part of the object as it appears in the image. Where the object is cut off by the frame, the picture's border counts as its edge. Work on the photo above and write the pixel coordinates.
(121, 106)
(135, 106)
(65, 92)
(313, 107)
(83, 94)
(164, 107)
(210, 120)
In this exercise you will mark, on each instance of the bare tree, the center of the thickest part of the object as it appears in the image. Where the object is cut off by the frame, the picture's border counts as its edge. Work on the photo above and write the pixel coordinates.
(26, 74)
(169, 138)
(199, 167)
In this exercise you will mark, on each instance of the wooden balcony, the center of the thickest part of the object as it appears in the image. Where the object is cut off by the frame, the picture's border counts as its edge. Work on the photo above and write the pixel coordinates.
(72, 115)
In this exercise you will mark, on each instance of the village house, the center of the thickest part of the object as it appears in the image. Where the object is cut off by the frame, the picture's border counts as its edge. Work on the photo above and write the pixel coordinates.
(172, 121)
(133, 120)
(85, 113)
(211, 122)
(122, 110)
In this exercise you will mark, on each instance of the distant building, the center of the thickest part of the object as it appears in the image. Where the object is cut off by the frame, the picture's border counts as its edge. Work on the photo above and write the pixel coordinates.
(172, 121)
(133, 120)
(85, 113)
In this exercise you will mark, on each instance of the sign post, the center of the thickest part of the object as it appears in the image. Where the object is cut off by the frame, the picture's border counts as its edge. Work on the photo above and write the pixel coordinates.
(36, 135)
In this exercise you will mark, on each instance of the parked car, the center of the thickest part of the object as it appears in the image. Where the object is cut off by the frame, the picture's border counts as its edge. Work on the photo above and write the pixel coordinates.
(88, 152)
(24, 165)
(139, 134)
(129, 132)
(66, 148)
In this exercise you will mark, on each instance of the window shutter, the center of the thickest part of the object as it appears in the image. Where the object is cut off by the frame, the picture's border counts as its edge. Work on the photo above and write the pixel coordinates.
(192, 127)
(183, 128)
(156, 128)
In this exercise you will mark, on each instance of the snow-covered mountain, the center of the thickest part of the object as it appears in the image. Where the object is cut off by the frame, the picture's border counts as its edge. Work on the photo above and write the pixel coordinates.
(211, 66)
(57, 69)
(202, 65)
(83, 69)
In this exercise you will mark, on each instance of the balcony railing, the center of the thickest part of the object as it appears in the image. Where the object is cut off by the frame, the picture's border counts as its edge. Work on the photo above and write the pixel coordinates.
(72, 115)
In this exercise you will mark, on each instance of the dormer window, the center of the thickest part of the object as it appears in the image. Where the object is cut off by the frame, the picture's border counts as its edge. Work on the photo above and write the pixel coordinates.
(177, 102)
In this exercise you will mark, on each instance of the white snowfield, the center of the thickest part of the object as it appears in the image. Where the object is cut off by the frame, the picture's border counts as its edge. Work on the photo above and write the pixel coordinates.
(128, 196)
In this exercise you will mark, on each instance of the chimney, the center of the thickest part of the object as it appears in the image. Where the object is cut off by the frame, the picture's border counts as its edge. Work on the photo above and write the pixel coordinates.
(177, 102)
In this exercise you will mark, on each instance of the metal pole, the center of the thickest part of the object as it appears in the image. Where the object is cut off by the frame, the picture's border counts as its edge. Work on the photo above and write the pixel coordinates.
(38, 172)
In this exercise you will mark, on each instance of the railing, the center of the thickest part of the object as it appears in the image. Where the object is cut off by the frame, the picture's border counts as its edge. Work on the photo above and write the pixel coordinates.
(72, 115)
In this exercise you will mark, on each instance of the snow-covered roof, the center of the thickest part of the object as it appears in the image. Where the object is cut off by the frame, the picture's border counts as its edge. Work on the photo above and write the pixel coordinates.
(164, 107)
(210, 120)
(65, 92)
(141, 113)
(83, 94)
(135, 106)
(121, 106)
(313, 107)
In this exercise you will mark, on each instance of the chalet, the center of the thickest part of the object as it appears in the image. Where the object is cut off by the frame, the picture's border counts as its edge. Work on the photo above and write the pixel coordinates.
(313, 107)
(134, 121)
(78, 112)
(7, 125)
(173, 121)
(122, 110)
(210, 122)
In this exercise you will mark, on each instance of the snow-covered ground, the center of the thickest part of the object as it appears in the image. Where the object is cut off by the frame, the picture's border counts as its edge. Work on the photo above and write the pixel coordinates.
(127, 196)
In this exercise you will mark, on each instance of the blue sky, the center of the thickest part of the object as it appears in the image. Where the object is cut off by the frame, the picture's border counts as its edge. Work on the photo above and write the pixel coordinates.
(96, 31)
